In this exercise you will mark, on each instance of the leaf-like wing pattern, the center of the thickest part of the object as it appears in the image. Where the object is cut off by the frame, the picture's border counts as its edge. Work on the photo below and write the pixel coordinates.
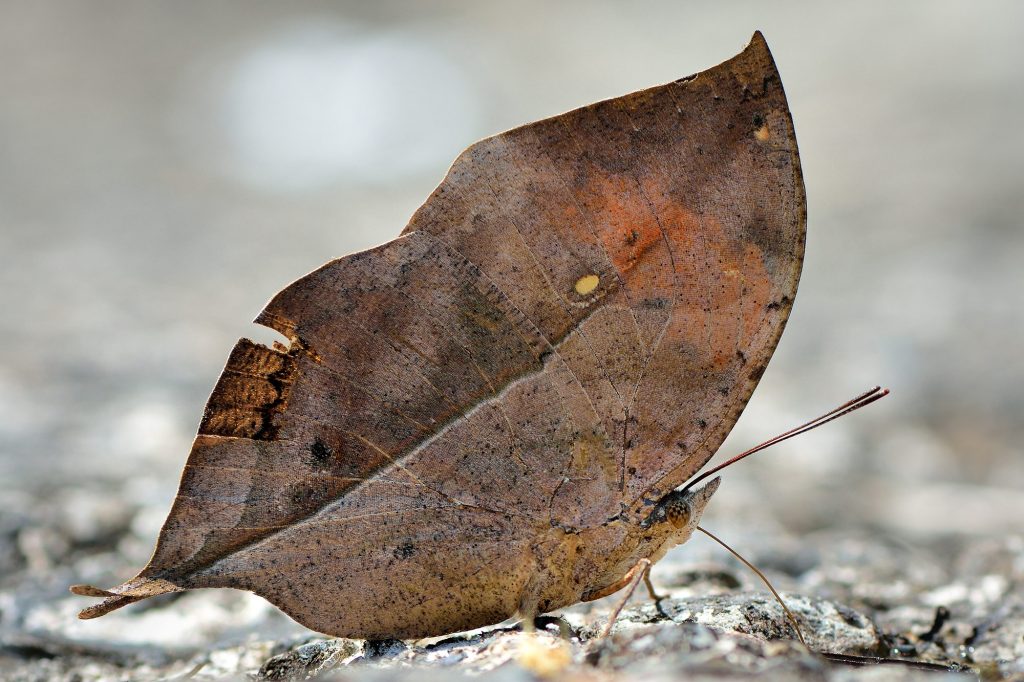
(686, 200)
(470, 417)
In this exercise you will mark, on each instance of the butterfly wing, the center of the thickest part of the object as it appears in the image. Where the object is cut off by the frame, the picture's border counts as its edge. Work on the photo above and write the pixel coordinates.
(572, 321)
(687, 203)
(390, 474)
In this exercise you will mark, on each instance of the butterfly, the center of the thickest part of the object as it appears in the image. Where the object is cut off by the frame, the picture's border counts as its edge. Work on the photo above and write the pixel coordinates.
(491, 414)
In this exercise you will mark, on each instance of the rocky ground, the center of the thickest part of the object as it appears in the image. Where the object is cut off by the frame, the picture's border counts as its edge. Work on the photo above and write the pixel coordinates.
(948, 604)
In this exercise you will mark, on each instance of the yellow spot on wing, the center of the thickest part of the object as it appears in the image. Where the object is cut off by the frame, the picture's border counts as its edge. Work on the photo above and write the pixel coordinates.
(586, 284)
(761, 134)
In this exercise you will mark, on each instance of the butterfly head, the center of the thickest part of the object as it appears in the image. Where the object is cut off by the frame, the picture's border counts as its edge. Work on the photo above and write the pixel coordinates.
(683, 508)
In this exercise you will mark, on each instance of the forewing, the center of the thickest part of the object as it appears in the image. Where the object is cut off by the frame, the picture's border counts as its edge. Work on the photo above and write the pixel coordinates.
(686, 202)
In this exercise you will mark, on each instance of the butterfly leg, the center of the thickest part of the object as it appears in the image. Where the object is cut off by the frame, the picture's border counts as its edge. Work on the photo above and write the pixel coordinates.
(528, 610)
(655, 596)
(650, 586)
(632, 579)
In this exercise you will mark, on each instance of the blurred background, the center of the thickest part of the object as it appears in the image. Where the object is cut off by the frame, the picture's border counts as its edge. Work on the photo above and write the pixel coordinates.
(167, 167)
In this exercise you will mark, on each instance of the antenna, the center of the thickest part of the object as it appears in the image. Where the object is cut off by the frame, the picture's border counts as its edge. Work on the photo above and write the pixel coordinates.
(846, 408)
(762, 576)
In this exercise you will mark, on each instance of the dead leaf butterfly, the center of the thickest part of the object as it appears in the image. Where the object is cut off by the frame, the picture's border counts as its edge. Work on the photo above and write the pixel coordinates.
(488, 415)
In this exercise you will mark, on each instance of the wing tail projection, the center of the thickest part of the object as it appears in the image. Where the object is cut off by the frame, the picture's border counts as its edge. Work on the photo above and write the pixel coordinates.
(136, 589)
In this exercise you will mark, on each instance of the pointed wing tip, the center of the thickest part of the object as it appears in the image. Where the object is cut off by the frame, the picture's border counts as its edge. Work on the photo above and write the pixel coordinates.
(111, 603)
(134, 590)
(758, 46)
(88, 591)
(754, 60)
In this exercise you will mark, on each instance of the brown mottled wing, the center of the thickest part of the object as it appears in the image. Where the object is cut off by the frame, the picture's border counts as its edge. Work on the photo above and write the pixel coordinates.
(391, 473)
(687, 201)
(573, 320)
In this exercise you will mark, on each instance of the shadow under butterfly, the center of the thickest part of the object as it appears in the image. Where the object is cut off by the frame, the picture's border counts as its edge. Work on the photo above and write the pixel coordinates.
(490, 415)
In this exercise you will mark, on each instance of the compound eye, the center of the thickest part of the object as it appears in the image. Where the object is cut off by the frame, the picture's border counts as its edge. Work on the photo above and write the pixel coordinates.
(678, 513)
